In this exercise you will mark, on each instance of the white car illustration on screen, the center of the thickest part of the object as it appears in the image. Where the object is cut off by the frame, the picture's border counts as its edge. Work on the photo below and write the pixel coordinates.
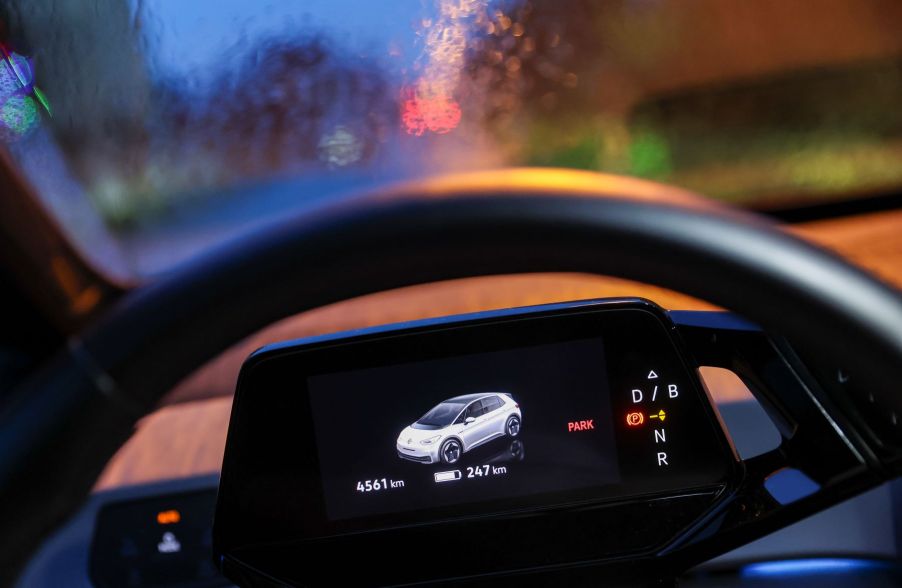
(457, 425)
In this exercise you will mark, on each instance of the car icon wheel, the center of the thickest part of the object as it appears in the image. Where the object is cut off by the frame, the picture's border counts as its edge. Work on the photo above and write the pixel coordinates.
(451, 450)
(513, 426)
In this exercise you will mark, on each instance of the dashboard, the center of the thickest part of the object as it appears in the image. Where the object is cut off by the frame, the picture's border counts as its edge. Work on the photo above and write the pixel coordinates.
(811, 546)
(562, 422)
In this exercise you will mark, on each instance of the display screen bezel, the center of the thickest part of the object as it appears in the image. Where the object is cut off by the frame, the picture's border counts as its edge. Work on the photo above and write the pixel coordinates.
(288, 498)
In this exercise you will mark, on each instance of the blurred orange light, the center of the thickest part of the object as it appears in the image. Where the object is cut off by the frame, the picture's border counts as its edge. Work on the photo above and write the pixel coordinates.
(168, 517)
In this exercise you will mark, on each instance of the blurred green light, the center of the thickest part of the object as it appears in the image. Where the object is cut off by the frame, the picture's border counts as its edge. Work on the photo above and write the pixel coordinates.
(43, 100)
(650, 156)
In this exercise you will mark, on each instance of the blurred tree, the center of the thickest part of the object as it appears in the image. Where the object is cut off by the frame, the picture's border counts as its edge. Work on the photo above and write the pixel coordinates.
(281, 110)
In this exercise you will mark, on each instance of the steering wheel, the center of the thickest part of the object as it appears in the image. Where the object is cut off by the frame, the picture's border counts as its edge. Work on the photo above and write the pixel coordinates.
(63, 425)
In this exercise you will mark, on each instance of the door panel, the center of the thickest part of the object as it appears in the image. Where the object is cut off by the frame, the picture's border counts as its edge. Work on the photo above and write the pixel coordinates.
(494, 419)
(471, 433)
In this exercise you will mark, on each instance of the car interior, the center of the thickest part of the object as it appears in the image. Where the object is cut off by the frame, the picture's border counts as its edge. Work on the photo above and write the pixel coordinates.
(653, 246)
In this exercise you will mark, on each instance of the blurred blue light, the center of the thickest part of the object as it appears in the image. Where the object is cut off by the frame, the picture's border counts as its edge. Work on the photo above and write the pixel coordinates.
(791, 567)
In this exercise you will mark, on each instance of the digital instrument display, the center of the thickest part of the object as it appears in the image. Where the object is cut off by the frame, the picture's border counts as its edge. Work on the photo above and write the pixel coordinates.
(502, 424)
(466, 432)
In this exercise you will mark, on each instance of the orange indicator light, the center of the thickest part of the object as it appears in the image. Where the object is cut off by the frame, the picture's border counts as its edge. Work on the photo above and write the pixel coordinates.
(634, 419)
(168, 517)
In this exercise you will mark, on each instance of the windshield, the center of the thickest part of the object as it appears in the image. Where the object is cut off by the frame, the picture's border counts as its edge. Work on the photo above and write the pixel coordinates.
(154, 129)
(440, 416)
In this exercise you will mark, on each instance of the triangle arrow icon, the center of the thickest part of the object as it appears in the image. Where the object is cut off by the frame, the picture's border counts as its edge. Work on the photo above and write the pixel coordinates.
(652, 375)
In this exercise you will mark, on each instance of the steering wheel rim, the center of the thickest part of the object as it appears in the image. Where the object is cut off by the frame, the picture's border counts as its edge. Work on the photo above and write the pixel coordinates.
(72, 417)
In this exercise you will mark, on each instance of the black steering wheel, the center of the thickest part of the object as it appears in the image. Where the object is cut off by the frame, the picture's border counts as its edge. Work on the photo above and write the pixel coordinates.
(64, 424)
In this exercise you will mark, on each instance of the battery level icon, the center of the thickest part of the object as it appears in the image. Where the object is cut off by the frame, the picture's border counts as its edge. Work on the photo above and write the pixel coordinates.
(447, 476)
